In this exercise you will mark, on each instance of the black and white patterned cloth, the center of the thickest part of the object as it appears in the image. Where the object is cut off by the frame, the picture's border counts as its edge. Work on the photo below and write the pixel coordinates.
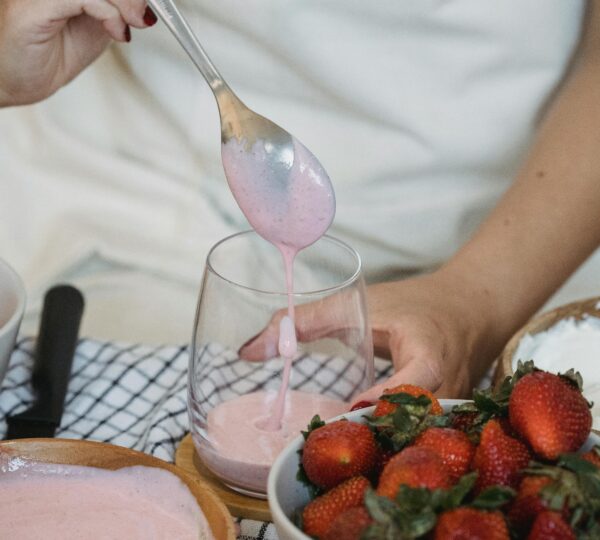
(136, 395)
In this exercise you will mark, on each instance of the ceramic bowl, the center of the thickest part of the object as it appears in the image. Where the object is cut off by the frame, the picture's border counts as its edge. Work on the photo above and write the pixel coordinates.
(108, 456)
(540, 323)
(286, 494)
(12, 306)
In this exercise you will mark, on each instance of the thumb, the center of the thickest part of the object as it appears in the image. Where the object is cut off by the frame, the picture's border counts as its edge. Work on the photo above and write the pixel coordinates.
(417, 372)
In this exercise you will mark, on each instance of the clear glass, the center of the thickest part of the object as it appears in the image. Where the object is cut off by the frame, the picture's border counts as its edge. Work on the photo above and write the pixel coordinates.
(230, 397)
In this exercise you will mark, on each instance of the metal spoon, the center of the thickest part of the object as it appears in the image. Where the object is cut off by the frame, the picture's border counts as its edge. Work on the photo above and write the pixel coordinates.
(237, 120)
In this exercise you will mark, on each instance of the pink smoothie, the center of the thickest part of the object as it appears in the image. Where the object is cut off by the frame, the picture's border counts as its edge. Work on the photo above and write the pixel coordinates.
(242, 452)
(66, 502)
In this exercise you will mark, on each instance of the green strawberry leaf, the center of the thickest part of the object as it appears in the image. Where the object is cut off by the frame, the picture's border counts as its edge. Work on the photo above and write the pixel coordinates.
(409, 517)
(402, 398)
(455, 496)
(573, 378)
(576, 463)
(315, 423)
(493, 498)
(313, 490)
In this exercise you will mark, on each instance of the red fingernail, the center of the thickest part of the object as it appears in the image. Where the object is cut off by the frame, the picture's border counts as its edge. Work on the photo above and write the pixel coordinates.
(127, 34)
(361, 405)
(149, 17)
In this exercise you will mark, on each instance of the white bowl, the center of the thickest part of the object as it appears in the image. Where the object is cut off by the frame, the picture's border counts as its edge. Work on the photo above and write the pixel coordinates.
(286, 494)
(12, 306)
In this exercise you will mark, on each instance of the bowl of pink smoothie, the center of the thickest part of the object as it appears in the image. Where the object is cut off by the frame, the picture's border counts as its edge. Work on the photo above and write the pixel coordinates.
(68, 489)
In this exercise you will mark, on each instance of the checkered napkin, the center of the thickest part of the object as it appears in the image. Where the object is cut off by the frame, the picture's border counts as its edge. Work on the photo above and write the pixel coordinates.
(135, 396)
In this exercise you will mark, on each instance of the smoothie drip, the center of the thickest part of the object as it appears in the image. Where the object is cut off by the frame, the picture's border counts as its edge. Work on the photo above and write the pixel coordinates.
(291, 213)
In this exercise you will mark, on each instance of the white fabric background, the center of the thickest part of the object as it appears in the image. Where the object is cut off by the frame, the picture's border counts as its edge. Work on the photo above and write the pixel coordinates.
(420, 111)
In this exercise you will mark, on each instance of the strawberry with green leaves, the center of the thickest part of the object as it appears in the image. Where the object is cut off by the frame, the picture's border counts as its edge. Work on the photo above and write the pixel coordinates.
(550, 413)
(499, 458)
(529, 502)
(400, 417)
(386, 404)
(319, 514)
(338, 451)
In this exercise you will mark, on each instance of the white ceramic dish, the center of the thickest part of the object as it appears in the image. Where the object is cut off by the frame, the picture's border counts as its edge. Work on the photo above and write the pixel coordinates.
(12, 306)
(286, 494)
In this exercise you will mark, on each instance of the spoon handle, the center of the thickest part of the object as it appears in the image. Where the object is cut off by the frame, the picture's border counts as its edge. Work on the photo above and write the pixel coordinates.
(179, 27)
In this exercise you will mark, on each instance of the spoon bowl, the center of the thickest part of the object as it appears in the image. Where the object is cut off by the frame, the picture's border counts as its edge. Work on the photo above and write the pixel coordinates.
(268, 170)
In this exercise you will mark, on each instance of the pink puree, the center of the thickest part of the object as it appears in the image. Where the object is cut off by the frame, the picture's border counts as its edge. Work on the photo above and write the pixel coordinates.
(67, 502)
(241, 452)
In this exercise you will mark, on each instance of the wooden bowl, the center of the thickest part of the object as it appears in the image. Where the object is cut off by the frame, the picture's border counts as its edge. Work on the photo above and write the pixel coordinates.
(540, 323)
(108, 456)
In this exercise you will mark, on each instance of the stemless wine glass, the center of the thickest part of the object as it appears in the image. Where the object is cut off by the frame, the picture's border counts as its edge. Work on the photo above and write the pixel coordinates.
(230, 398)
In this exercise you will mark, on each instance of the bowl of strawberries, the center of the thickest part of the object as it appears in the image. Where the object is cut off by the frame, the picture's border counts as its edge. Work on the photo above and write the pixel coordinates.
(517, 461)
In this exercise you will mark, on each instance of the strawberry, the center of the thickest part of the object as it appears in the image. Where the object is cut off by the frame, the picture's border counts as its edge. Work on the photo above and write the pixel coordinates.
(499, 458)
(471, 524)
(384, 407)
(338, 451)
(452, 445)
(319, 514)
(349, 525)
(414, 467)
(528, 503)
(593, 456)
(550, 526)
(464, 421)
(550, 413)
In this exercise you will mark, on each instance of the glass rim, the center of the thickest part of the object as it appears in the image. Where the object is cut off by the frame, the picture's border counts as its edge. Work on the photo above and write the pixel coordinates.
(333, 288)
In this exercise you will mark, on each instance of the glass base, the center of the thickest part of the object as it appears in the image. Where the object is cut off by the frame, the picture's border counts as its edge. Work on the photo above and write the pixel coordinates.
(248, 493)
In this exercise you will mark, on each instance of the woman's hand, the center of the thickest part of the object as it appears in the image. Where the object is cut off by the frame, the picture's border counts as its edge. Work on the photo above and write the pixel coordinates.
(46, 43)
(437, 333)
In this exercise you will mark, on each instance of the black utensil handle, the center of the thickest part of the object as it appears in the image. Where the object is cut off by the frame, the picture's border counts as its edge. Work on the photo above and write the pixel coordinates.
(56, 343)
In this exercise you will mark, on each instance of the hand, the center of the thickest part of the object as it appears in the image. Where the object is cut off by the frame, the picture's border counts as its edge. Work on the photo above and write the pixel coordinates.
(46, 43)
(434, 332)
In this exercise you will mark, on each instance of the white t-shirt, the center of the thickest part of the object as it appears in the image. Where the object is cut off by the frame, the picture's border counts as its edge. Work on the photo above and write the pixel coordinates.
(420, 111)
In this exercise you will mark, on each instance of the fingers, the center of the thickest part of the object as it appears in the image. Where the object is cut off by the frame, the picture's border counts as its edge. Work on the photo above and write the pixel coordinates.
(115, 15)
(263, 346)
(329, 317)
(418, 374)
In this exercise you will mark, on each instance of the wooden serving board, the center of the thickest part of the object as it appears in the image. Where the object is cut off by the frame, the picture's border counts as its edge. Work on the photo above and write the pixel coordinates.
(239, 505)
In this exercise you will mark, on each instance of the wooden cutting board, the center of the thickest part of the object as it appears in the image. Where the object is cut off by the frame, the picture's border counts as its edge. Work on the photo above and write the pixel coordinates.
(239, 505)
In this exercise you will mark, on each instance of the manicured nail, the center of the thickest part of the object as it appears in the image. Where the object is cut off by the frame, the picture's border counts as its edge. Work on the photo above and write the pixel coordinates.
(127, 34)
(361, 405)
(149, 17)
